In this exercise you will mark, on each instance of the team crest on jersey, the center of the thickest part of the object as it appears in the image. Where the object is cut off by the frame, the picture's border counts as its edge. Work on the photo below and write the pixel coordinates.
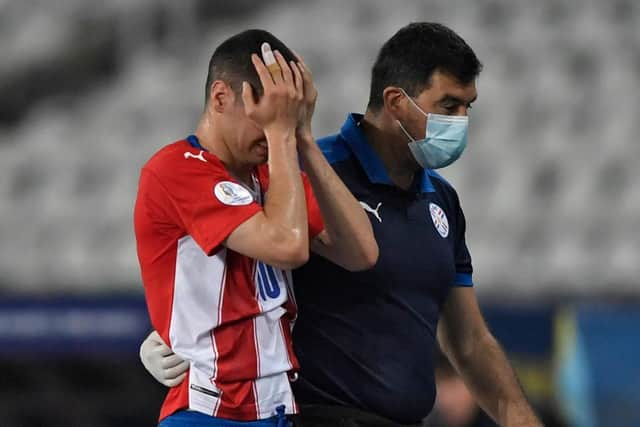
(232, 194)
(439, 219)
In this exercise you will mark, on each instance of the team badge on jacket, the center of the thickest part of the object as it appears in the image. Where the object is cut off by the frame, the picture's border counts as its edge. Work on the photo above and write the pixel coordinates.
(232, 194)
(439, 219)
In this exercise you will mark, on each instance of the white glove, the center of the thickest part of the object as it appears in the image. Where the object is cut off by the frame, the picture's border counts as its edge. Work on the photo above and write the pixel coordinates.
(162, 363)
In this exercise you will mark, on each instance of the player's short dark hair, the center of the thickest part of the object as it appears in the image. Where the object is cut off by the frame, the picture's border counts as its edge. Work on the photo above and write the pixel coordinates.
(231, 61)
(411, 56)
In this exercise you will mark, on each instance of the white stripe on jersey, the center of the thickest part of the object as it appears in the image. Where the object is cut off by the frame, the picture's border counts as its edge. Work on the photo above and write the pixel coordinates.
(272, 349)
(272, 392)
(198, 284)
(272, 388)
(203, 396)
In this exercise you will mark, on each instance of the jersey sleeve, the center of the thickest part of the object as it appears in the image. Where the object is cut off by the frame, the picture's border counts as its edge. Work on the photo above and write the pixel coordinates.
(464, 269)
(314, 217)
(208, 202)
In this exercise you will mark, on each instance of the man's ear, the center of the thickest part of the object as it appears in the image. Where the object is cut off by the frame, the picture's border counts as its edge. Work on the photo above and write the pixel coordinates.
(221, 96)
(393, 99)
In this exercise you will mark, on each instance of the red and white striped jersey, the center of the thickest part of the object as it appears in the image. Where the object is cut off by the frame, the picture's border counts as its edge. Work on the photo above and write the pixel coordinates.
(229, 315)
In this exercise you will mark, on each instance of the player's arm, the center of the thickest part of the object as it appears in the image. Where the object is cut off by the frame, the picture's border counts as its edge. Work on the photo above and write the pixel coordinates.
(347, 239)
(477, 356)
(278, 235)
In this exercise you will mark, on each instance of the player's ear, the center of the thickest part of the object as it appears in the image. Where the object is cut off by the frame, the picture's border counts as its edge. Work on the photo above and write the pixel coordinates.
(222, 97)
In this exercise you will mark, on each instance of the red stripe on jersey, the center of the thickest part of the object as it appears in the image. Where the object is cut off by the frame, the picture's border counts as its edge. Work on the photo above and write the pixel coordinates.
(285, 326)
(287, 321)
(160, 298)
(290, 305)
(242, 405)
(236, 342)
(177, 399)
(239, 296)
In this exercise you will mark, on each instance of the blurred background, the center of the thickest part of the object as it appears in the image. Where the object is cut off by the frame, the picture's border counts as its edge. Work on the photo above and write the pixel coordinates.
(549, 183)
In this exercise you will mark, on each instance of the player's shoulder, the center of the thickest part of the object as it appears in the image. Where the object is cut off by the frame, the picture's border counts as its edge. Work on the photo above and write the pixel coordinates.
(334, 148)
(181, 157)
(168, 155)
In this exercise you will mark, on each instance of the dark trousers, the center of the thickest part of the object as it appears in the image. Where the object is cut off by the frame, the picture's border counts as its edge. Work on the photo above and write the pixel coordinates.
(341, 416)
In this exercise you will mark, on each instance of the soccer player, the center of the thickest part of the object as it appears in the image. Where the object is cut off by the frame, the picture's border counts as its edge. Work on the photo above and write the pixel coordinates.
(366, 340)
(220, 219)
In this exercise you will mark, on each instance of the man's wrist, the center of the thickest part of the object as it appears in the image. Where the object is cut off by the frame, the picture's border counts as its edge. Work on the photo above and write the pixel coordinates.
(305, 140)
(303, 133)
(276, 132)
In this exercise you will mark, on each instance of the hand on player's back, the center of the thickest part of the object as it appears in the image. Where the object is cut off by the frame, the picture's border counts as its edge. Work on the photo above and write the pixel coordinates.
(161, 362)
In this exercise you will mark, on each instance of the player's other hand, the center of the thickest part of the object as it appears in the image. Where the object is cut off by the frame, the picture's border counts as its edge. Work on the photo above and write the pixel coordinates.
(280, 107)
(162, 363)
(309, 103)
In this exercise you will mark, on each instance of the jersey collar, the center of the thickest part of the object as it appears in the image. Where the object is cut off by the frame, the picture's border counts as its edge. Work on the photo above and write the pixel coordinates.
(193, 141)
(368, 158)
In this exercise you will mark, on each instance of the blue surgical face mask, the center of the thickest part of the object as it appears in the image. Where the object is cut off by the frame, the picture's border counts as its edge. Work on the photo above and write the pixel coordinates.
(444, 142)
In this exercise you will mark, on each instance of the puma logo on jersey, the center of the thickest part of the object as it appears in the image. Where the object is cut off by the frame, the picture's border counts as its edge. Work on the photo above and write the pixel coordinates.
(199, 156)
(369, 209)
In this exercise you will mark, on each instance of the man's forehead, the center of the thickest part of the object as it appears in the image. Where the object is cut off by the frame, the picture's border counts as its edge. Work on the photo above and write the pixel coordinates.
(444, 85)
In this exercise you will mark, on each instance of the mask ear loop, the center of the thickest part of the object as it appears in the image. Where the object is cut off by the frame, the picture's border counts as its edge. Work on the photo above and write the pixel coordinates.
(415, 104)
(412, 139)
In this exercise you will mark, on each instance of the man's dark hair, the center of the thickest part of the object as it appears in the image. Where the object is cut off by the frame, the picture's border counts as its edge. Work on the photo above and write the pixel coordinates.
(231, 61)
(409, 59)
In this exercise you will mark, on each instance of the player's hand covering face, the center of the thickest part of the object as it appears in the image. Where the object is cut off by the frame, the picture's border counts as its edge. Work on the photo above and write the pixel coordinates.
(280, 107)
(310, 97)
